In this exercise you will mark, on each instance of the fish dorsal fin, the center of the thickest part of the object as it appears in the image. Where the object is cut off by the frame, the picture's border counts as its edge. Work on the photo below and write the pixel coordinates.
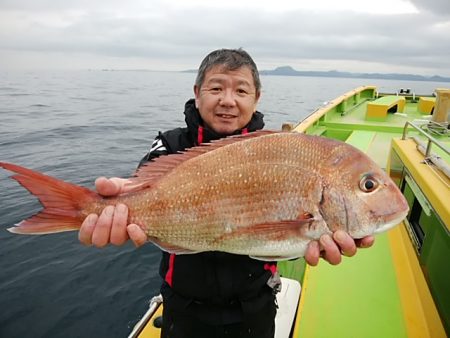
(152, 171)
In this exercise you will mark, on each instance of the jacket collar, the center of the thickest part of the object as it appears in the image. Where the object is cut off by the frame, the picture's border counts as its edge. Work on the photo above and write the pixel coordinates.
(194, 122)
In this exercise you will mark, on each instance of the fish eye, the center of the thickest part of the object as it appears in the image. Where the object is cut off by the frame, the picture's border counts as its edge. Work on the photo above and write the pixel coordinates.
(368, 184)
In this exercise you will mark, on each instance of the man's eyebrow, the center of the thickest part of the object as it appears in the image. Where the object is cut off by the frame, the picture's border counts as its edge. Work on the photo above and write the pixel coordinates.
(244, 82)
(220, 80)
(215, 79)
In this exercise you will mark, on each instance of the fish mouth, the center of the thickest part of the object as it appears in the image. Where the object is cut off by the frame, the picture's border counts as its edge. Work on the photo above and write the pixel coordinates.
(392, 223)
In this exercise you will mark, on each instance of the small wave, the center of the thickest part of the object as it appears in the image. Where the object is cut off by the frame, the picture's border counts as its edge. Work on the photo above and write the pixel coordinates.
(39, 105)
(83, 98)
(18, 94)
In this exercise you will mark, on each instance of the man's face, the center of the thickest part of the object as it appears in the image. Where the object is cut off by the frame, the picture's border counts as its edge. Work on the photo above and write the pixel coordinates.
(227, 99)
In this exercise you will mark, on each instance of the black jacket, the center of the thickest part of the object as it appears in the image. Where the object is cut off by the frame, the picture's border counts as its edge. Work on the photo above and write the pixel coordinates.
(219, 286)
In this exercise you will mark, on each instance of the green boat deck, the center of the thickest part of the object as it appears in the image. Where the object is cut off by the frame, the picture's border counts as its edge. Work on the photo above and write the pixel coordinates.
(369, 277)
(378, 292)
(358, 299)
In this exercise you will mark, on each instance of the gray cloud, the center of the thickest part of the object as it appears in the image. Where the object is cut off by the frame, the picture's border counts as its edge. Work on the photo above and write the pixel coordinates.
(110, 29)
(440, 7)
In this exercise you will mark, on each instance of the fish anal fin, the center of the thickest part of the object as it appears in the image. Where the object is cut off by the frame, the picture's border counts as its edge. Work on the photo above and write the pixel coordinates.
(170, 248)
(274, 258)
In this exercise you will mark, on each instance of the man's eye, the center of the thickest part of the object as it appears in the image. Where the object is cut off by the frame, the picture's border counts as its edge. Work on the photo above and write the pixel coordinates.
(242, 92)
(215, 90)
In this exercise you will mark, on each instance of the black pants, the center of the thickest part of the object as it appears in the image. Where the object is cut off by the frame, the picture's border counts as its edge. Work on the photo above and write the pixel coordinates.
(185, 324)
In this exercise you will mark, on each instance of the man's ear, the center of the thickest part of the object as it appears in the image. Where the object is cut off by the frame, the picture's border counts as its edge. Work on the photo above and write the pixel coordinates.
(257, 96)
(197, 95)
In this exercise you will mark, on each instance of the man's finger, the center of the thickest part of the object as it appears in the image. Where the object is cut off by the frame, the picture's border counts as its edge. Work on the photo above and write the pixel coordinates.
(119, 233)
(107, 187)
(137, 235)
(365, 242)
(87, 229)
(102, 230)
(332, 252)
(345, 242)
(312, 253)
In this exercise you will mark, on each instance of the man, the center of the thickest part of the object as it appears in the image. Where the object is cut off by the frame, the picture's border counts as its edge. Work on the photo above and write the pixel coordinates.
(211, 294)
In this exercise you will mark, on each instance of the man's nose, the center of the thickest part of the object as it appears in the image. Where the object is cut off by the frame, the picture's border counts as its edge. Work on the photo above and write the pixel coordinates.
(228, 98)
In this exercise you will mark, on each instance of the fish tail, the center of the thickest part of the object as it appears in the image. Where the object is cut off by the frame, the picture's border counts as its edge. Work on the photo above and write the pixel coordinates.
(63, 202)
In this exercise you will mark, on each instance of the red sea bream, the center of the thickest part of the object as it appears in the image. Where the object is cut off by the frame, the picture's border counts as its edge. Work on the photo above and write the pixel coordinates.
(264, 194)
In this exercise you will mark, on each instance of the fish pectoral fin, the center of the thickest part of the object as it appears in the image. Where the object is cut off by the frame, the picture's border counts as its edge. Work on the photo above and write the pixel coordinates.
(271, 230)
(170, 248)
(281, 229)
(287, 225)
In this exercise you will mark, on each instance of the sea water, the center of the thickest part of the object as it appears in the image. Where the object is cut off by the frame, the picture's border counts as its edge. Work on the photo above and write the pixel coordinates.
(83, 124)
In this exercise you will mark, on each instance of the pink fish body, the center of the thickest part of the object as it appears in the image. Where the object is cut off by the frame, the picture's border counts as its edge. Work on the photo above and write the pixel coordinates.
(266, 195)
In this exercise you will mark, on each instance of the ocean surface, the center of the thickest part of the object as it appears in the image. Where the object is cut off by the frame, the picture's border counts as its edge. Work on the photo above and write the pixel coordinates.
(83, 124)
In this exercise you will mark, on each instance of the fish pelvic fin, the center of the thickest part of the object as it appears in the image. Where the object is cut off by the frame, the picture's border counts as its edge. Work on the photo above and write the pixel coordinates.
(63, 202)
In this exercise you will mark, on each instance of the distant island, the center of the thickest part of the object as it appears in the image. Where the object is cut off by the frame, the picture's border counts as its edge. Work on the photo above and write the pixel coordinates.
(289, 71)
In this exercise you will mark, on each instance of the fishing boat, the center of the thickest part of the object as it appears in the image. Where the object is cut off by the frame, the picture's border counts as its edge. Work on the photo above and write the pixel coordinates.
(400, 287)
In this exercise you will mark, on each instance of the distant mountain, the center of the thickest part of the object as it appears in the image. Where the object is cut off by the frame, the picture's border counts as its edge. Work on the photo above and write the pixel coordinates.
(289, 71)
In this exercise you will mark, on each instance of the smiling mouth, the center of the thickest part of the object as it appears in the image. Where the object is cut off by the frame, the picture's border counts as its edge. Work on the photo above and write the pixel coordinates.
(226, 116)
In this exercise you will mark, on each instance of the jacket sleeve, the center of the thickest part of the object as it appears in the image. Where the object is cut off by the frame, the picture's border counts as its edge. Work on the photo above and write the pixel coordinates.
(158, 148)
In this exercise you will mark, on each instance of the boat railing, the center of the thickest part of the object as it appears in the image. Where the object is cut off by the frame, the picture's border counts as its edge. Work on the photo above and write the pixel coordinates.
(155, 302)
(426, 150)
(430, 138)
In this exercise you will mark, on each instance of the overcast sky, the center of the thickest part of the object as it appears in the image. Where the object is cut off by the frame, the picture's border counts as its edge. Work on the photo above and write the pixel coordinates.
(401, 36)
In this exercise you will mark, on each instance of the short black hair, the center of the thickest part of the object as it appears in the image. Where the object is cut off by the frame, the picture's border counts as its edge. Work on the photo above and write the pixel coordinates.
(230, 59)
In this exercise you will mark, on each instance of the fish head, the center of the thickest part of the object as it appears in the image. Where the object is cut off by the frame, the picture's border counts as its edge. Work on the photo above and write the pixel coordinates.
(358, 196)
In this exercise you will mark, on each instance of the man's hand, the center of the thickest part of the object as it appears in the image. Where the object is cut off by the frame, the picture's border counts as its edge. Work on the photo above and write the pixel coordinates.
(331, 248)
(111, 225)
